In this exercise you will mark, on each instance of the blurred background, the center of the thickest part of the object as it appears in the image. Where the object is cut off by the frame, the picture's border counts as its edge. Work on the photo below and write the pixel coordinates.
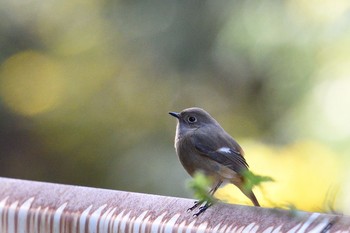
(86, 87)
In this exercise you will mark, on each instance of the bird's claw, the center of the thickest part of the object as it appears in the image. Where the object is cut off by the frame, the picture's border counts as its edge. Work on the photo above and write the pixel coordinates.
(202, 209)
(196, 204)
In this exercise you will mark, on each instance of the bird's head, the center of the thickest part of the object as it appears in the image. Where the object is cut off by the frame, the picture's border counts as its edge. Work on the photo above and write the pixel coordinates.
(193, 118)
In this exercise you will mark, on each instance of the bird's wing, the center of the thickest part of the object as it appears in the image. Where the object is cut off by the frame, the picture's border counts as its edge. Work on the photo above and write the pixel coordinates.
(224, 152)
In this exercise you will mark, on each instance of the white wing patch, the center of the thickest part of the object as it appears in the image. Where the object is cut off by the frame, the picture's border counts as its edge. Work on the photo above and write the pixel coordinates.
(225, 150)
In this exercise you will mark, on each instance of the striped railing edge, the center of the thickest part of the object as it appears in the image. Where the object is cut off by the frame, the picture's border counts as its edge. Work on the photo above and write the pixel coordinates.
(39, 207)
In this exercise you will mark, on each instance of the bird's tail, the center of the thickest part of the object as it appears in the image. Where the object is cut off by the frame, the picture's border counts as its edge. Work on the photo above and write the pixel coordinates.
(252, 197)
(248, 192)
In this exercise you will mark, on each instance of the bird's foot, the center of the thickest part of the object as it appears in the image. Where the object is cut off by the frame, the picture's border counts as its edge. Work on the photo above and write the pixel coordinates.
(196, 204)
(202, 209)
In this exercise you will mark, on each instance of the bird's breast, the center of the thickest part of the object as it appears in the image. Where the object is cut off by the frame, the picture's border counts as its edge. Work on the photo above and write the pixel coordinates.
(192, 161)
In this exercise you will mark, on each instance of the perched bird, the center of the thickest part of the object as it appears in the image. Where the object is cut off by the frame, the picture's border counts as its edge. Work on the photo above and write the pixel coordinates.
(203, 145)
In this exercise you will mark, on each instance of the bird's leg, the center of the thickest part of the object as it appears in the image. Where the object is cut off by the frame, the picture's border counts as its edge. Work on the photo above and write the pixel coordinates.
(213, 190)
(207, 204)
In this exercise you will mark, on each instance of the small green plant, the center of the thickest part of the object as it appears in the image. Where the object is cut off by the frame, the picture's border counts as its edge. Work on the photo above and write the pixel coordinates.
(329, 205)
(199, 185)
(252, 180)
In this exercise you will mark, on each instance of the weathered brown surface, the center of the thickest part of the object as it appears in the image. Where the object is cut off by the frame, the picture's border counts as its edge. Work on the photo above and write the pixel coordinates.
(27, 206)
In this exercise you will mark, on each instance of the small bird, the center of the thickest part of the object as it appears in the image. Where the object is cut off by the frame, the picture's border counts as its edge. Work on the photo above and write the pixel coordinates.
(203, 145)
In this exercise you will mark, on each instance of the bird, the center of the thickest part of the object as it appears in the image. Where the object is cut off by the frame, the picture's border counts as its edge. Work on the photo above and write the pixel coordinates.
(202, 145)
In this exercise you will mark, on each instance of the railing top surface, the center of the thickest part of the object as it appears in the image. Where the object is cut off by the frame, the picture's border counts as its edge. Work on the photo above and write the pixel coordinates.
(102, 203)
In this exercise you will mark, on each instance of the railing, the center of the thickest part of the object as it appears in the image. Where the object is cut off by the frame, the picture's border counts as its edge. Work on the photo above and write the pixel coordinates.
(28, 206)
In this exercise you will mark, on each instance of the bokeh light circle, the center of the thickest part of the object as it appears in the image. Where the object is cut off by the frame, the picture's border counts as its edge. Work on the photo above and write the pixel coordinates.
(30, 83)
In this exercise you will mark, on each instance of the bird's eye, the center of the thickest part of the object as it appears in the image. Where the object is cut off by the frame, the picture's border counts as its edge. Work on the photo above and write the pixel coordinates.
(192, 119)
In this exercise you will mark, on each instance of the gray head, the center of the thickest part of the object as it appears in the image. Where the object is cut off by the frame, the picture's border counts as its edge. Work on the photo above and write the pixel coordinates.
(194, 118)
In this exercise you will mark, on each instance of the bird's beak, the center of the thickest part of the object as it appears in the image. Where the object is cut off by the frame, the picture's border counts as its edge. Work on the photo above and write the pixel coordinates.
(175, 114)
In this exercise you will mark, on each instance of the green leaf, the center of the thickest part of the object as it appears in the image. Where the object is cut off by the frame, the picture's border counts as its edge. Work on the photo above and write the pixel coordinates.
(252, 180)
(199, 185)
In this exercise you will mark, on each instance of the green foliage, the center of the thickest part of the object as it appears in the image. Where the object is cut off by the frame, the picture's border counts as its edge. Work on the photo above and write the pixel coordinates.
(252, 180)
(199, 185)
(329, 205)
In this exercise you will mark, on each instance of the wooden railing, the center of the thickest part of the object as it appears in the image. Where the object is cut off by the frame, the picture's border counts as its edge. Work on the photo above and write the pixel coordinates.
(28, 206)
